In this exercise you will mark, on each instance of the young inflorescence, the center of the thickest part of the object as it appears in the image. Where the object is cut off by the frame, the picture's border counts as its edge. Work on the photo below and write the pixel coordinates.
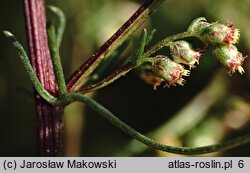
(170, 71)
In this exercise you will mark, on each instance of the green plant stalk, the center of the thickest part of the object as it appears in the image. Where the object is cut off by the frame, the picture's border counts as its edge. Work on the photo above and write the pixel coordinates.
(61, 23)
(138, 136)
(56, 61)
(167, 40)
(69, 98)
(30, 71)
(189, 115)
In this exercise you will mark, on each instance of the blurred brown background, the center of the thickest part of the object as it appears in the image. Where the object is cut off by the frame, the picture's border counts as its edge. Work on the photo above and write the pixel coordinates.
(210, 108)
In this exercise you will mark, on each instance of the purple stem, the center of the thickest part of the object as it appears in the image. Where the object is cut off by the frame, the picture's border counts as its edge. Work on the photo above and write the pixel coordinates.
(127, 27)
(112, 77)
(49, 118)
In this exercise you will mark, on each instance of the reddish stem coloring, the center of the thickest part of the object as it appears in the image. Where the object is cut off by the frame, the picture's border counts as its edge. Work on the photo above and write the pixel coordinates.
(111, 77)
(49, 118)
(108, 44)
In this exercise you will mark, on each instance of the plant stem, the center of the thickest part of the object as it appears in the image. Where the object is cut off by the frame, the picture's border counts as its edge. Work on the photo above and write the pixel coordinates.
(111, 78)
(30, 71)
(58, 70)
(144, 57)
(189, 116)
(75, 81)
(49, 118)
(165, 42)
(61, 23)
(138, 136)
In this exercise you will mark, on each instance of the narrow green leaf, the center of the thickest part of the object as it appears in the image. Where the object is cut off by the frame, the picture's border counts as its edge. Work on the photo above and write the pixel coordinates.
(150, 36)
(56, 61)
(61, 22)
(30, 71)
(142, 45)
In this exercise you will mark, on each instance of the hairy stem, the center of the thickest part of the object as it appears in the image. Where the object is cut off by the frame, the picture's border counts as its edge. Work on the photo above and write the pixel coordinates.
(61, 23)
(62, 89)
(165, 42)
(75, 81)
(189, 116)
(135, 134)
(30, 71)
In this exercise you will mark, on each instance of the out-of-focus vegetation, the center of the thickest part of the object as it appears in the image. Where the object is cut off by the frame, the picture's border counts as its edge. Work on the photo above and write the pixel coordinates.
(210, 108)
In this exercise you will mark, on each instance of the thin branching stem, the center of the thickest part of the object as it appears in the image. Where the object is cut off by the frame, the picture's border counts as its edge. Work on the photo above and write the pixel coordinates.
(167, 40)
(30, 71)
(76, 80)
(143, 57)
(73, 85)
(108, 80)
(69, 98)
(150, 142)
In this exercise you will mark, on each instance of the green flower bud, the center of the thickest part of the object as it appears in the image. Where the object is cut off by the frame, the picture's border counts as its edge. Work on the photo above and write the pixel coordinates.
(230, 57)
(164, 71)
(182, 52)
(220, 34)
(169, 70)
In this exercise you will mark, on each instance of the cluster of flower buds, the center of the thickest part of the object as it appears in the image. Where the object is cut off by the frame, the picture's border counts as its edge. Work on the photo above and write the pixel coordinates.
(223, 37)
(170, 71)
